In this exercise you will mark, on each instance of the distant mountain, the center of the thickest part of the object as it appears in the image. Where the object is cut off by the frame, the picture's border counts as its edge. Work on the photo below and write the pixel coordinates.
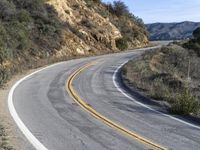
(171, 31)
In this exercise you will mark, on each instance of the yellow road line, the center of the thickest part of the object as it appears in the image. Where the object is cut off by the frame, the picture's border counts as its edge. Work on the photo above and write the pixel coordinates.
(99, 116)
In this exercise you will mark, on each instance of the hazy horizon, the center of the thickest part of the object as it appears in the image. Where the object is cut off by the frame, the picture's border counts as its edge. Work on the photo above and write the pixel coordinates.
(156, 11)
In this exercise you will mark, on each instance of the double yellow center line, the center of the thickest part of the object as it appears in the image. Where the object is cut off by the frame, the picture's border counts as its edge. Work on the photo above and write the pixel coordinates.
(99, 116)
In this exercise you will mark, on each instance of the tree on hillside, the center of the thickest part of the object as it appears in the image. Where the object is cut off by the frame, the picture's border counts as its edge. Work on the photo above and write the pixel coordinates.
(92, 1)
(194, 43)
(97, 1)
(196, 33)
(120, 8)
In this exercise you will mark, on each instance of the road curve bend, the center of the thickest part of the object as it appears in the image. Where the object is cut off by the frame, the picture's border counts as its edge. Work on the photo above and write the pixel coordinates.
(93, 113)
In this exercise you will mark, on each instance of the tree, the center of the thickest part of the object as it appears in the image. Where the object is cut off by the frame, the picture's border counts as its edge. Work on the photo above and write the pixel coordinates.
(196, 33)
(120, 8)
(7, 10)
(121, 43)
(97, 1)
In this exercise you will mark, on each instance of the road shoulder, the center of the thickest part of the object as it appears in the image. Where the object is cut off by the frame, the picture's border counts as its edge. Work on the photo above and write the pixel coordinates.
(12, 137)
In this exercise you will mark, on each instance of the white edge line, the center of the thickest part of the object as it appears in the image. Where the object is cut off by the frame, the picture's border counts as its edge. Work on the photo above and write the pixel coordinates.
(146, 106)
(31, 138)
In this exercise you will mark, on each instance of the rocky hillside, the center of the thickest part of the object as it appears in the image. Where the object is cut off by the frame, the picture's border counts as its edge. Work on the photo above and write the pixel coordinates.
(171, 31)
(34, 32)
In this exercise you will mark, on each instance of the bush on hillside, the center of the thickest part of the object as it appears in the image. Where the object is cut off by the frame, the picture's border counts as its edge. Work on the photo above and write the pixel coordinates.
(4, 75)
(24, 16)
(196, 33)
(185, 103)
(20, 18)
(129, 32)
(28, 29)
(194, 44)
(7, 10)
(91, 3)
(120, 8)
(131, 27)
(121, 43)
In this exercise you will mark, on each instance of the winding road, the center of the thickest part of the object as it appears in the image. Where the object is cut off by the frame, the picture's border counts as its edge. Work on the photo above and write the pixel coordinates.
(81, 105)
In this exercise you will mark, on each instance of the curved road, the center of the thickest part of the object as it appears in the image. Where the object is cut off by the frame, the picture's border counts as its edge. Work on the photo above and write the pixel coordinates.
(50, 118)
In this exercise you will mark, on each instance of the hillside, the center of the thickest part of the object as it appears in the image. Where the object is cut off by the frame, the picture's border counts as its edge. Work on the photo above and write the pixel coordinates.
(170, 75)
(171, 31)
(38, 32)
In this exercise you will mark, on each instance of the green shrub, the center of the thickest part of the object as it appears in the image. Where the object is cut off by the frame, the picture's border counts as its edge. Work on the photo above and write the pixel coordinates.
(185, 103)
(7, 10)
(121, 43)
(24, 42)
(4, 75)
(194, 45)
(3, 55)
(120, 8)
(91, 3)
(28, 29)
(196, 33)
(24, 16)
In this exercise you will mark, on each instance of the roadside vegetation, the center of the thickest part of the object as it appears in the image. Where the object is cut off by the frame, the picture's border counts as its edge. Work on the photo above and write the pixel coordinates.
(29, 31)
(194, 44)
(4, 144)
(169, 74)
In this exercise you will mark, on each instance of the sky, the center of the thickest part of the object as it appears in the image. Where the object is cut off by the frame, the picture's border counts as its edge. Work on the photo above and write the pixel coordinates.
(152, 11)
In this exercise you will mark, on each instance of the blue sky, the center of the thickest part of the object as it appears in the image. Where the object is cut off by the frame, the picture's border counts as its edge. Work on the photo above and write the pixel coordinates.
(164, 10)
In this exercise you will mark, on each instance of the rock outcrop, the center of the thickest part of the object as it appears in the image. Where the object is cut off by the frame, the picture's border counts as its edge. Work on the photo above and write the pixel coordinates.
(93, 32)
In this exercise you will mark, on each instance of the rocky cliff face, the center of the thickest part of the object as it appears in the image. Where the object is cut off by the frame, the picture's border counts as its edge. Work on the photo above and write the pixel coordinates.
(88, 31)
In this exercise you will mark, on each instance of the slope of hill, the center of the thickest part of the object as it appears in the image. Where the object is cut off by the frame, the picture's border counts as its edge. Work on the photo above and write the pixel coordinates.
(170, 74)
(33, 32)
(171, 31)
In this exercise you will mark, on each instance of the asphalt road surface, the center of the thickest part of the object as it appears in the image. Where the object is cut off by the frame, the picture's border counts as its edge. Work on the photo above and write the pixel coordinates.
(50, 118)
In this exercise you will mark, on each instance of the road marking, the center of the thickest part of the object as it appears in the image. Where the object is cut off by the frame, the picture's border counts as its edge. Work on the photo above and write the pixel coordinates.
(99, 116)
(31, 138)
(146, 106)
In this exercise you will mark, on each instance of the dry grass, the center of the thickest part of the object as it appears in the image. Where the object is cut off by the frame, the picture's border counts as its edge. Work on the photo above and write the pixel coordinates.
(4, 145)
(163, 75)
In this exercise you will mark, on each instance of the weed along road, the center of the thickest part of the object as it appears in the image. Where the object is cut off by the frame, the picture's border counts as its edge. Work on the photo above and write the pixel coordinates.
(81, 105)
